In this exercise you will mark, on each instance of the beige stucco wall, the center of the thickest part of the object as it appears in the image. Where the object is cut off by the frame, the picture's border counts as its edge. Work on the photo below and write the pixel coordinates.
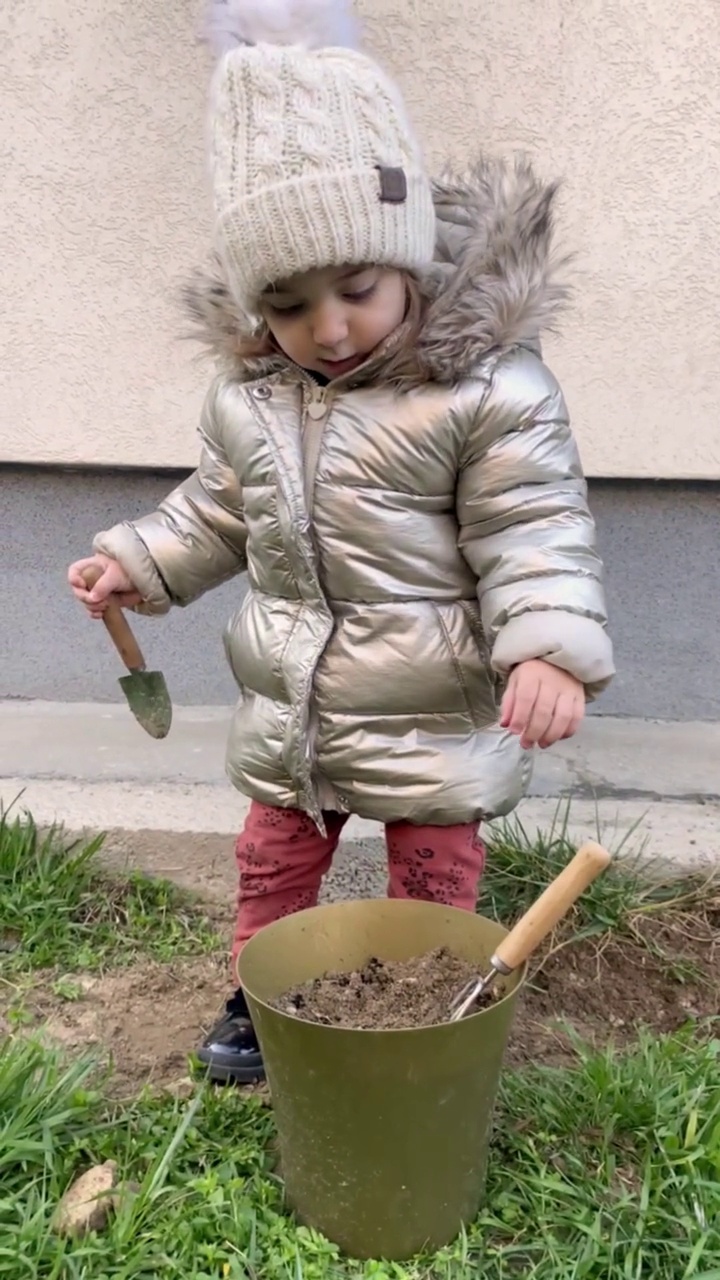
(103, 207)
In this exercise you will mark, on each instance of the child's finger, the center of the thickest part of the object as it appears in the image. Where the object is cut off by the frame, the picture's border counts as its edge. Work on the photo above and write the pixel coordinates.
(128, 599)
(507, 706)
(83, 595)
(526, 690)
(111, 580)
(76, 573)
(540, 721)
(561, 723)
(577, 717)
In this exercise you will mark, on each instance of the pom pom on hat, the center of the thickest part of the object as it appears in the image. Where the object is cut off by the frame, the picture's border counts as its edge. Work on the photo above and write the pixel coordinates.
(310, 24)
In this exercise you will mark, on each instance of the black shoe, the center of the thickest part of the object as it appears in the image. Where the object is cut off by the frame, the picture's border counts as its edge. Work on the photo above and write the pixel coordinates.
(231, 1051)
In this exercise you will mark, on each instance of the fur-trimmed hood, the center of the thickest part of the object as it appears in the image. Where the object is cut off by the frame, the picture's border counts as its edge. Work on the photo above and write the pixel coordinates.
(496, 282)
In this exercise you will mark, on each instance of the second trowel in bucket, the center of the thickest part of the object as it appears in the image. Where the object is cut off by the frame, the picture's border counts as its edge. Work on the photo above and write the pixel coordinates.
(535, 925)
(145, 691)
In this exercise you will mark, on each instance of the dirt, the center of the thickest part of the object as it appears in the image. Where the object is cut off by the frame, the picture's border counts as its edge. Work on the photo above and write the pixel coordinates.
(144, 1020)
(384, 995)
(607, 995)
(148, 1018)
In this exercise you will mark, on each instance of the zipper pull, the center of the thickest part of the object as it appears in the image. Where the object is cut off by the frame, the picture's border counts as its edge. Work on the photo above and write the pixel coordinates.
(317, 408)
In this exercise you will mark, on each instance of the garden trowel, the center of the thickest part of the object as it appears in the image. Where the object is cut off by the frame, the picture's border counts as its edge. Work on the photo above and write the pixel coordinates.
(146, 691)
(538, 921)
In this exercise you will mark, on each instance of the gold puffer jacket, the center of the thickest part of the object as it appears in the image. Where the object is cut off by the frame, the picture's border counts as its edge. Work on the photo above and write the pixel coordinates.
(410, 533)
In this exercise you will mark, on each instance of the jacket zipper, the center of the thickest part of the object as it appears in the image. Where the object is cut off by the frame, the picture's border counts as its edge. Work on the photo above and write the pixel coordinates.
(315, 412)
(316, 405)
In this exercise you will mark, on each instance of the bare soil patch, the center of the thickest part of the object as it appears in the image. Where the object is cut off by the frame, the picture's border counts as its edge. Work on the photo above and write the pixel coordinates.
(144, 1020)
(148, 1017)
(666, 977)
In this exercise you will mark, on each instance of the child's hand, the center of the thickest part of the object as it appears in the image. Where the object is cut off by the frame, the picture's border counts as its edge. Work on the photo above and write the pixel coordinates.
(542, 704)
(113, 582)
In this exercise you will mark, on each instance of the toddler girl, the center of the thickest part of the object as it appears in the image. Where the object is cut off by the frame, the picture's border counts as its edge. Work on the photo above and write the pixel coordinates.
(386, 455)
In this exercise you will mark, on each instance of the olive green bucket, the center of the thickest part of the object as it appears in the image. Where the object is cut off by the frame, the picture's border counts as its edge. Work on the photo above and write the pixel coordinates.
(383, 1134)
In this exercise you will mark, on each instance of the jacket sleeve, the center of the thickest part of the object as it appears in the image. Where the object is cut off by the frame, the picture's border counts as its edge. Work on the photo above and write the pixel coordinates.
(197, 537)
(526, 531)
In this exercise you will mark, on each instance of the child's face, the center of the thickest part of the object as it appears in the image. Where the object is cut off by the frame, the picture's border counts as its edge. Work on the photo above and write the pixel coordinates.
(329, 320)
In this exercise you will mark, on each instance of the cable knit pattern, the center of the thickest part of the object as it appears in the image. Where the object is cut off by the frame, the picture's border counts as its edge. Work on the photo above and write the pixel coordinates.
(297, 138)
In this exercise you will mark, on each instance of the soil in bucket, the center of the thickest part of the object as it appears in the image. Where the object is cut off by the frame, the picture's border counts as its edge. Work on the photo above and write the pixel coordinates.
(385, 995)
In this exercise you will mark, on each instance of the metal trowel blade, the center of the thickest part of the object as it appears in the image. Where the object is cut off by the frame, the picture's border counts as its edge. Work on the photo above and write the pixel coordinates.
(148, 699)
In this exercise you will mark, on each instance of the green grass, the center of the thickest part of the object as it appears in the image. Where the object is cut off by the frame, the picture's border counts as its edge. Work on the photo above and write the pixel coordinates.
(608, 1171)
(59, 909)
(625, 903)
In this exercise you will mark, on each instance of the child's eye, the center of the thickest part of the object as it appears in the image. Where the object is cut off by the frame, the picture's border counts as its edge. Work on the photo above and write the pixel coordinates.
(362, 295)
(294, 309)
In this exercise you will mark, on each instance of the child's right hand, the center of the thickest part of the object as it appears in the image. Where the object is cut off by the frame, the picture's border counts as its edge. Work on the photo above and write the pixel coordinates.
(112, 582)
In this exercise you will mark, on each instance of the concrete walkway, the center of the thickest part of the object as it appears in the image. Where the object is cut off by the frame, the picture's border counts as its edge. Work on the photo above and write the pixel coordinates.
(168, 808)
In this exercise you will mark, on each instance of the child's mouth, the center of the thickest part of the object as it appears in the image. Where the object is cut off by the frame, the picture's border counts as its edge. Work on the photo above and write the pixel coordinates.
(337, 367)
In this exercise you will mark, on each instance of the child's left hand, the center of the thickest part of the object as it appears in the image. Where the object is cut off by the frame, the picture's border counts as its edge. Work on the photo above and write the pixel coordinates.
(542, 704)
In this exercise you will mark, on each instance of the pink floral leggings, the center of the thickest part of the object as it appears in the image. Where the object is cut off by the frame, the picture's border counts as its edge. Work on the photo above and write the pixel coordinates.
(282, 859)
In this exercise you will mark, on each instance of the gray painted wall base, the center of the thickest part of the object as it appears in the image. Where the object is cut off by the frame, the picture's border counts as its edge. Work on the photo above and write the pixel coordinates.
(659, 541)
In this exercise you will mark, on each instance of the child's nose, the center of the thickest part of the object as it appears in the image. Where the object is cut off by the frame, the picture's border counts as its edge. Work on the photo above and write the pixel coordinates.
(329, 326)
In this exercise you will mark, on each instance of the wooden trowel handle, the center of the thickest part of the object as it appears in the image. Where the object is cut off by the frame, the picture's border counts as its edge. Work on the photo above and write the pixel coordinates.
(551, 906)
(118, 626)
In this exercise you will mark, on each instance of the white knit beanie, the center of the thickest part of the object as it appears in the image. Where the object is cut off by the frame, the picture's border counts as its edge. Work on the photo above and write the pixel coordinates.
(314, 164)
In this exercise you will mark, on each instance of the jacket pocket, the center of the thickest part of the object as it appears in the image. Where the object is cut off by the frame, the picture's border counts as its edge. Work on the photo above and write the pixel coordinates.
(483, 687)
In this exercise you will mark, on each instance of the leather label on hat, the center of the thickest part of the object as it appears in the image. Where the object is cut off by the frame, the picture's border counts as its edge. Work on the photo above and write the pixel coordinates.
(393, 185)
